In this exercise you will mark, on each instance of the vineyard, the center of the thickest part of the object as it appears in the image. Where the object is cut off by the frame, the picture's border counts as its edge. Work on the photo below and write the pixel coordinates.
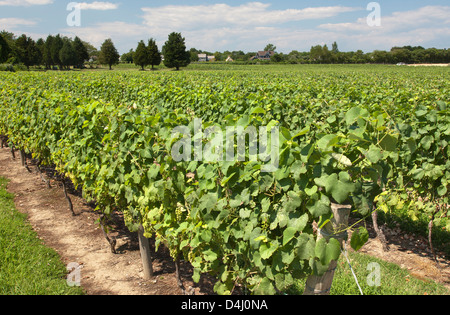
(361, 139)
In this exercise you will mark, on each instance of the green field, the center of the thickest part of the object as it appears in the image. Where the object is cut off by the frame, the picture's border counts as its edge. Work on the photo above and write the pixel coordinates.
(346, 134)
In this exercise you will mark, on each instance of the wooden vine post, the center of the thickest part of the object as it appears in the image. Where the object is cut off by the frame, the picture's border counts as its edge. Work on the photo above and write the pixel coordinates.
(144, 246)
(379, 232)
(336, 228)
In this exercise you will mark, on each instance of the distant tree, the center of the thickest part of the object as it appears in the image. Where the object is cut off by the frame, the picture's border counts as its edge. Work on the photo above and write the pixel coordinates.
(319, 54)
(174, 51)
(92, 51)
(293, 57)
(316, 53)
(128, 57)
(239, 55)
(278, 57)
(154, 55)
(27, 51)
(8, 37)
(379, 56)
(334, 48)
(10, 40)
(4, 49)
(57, 44)
(108, 54)
(359, 57)
(401, 55)
(326, 54)
(335, 56)
(81, 51)
(194, 54)
(418, 56)
(270, 47)
(141, 57)
(219, 57)
(68, 55)
(246, 57)
(47, 59)
(40, 44)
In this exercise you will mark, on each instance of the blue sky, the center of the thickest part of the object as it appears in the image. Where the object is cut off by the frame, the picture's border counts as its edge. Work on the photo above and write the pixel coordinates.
(238, 25)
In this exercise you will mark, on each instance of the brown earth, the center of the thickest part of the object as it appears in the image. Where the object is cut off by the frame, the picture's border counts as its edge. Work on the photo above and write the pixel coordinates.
(79, 239)
(430, 65)
(411, 252)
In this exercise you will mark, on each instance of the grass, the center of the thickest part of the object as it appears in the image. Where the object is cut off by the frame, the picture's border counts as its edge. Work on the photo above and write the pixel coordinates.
(27, 267)
(393, 280)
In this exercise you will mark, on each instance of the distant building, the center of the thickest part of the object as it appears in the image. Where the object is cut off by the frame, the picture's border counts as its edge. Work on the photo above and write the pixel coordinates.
(263, 55)
(202, 57)
(205, 58)
(229, 59)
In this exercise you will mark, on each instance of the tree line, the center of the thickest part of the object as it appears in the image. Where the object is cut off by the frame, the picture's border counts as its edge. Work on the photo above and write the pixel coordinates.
(323, 55)
(405, 54)
(53, 51)
(65, 53)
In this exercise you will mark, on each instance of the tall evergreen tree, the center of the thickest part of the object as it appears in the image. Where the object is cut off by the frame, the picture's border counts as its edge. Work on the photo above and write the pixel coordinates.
(68, 55)
(153, 53)
(27, 51)
(4, 49)
(174, 51)
(47, 54)
(141, 56)
(108, 54)
(81, 52)
(57, 45)
(40, 44)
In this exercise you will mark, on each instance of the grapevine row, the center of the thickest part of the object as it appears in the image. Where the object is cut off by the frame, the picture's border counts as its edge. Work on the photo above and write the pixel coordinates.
(341, 142)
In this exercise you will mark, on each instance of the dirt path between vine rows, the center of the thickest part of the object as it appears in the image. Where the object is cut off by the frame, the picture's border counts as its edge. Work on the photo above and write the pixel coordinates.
(410, 252)
(80, 240)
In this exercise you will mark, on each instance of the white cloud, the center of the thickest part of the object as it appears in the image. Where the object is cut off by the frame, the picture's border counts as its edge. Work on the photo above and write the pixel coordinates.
(413, 27)
(96, 5)
(223, 15)
(214, 26)
(12, 23)
(250, 26)
(17, 3)
(15, 25)
(120, 32)
(398, 21)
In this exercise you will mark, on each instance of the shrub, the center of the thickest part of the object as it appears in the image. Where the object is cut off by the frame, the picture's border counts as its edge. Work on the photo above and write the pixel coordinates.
(7, 67)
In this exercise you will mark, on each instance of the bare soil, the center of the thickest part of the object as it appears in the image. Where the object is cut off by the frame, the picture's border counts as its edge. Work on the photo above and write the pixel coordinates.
(411, 252)
(430, 65)
(79, 239)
